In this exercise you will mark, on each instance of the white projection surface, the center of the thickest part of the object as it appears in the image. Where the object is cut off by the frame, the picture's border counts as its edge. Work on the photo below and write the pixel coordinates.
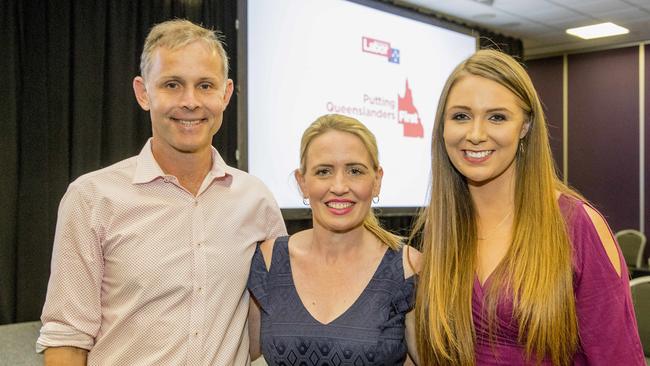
(307, 58)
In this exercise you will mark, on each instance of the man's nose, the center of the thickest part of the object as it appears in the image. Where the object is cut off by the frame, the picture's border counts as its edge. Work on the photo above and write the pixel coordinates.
(189, 99)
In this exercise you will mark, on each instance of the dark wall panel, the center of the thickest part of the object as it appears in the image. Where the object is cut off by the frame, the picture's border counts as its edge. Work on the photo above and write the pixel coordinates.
(603, 132)
(547, 78)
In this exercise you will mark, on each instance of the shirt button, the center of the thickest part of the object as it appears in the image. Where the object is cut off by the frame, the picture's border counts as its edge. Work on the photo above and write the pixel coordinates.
(196, 334)
(196, 203)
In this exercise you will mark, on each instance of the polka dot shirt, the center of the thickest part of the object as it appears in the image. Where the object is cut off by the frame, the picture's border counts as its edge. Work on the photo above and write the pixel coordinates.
(145, 273)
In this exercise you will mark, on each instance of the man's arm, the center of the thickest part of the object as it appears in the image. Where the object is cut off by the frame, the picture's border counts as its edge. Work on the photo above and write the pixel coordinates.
(65, 356)
(275, 222)
(72, 311)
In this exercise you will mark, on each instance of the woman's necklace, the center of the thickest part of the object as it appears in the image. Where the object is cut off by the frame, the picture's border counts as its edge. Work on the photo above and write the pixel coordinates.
(489, 234)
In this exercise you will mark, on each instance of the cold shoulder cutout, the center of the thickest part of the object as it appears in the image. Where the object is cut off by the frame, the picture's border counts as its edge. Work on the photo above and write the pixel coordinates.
(606, 324)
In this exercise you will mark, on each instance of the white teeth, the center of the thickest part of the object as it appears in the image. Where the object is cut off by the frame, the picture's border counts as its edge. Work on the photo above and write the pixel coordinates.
(478, 154)
(339, 205)
(187, 123)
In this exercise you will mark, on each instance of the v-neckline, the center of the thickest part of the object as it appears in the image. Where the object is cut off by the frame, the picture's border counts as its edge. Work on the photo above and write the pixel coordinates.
(349, 308)
(482, 285)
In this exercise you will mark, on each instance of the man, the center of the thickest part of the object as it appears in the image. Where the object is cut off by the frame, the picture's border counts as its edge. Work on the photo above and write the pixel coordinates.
(151, 255)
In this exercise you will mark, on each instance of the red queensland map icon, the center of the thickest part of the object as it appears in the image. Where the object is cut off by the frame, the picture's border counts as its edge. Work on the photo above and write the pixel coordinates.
(408, 115)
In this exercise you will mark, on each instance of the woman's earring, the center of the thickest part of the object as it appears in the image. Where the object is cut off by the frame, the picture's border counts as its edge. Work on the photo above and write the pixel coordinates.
(375, 199)
(305, 201)
(522, 149)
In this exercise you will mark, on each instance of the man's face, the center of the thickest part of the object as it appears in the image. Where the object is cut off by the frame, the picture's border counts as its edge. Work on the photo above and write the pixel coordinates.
(186, 94)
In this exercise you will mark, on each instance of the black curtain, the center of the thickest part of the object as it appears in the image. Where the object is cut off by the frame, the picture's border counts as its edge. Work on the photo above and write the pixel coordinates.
(67, 109)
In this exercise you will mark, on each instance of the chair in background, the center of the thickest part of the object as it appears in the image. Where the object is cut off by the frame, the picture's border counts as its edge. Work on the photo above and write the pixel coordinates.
(632, 243)
(640, 288)
(18, 344)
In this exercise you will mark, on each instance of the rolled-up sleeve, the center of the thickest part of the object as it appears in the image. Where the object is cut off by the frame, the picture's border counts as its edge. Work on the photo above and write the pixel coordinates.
(72, 311)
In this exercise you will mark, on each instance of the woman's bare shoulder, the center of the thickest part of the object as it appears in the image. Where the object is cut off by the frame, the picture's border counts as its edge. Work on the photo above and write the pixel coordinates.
(412, 261)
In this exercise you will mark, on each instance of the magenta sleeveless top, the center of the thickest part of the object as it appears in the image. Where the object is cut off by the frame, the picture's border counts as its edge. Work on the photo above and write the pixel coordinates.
(606, 323)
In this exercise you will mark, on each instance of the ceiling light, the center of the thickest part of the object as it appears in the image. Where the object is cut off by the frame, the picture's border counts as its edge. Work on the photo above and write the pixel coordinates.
(598, 31)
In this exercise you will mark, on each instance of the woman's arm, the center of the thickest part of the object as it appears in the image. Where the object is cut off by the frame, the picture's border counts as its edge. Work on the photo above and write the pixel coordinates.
(412, 265)
(605, 237)
(254, 309)
(411, 344)
(412, 261)
(606, 321)
(254, 325)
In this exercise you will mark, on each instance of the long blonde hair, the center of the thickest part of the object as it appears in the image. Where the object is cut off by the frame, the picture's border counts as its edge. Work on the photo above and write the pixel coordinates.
(342, 123)
(537, 268)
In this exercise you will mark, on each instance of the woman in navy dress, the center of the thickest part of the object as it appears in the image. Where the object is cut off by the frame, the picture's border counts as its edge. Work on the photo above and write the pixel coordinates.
(341, 293)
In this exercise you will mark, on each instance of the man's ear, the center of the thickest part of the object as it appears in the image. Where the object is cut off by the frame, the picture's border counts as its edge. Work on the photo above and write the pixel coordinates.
(140, 91)
(229, 87)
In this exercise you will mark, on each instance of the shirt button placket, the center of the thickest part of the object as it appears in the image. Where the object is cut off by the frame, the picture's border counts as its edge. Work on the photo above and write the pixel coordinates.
(197, 318)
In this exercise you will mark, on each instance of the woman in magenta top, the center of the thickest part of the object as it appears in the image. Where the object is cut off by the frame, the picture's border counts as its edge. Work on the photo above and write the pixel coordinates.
(518, 268)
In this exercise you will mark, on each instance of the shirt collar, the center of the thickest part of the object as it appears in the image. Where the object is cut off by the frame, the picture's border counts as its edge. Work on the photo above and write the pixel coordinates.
(147, 168)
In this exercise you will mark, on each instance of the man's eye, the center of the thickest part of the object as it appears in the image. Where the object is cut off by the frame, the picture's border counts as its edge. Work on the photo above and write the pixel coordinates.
(205, 86)
(172, 85)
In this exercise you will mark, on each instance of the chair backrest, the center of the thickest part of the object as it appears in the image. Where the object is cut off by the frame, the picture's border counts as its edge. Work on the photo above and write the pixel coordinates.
(640, 288)
(18, 344)
(632, 243)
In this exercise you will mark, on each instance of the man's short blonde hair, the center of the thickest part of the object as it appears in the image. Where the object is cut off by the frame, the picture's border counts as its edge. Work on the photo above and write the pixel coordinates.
(178, 33)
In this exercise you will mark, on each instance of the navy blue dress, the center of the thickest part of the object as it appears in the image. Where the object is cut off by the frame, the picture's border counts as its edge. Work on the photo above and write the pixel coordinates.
(370, 332)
